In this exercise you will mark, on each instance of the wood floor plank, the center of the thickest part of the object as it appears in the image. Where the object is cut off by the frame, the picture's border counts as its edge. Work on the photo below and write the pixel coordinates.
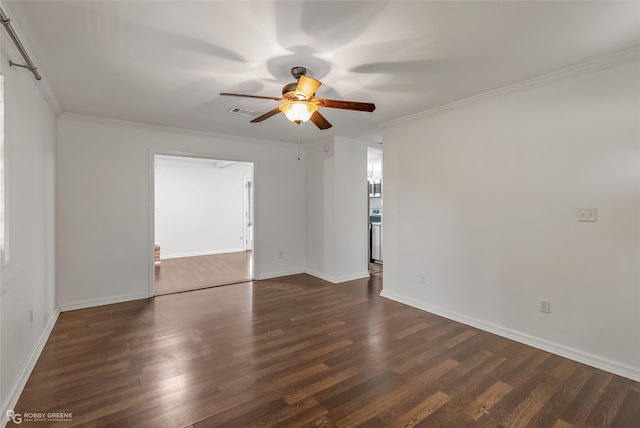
(628, 414)
(606, 409)
(321, 422)
(464, 390)
(251, 411)
(283, 416)
(565, 395)
(460, 385)
(333, 377)
(487, 399)
(290, 378)
(529, 407)
(237, 411)
(352, 403)
(192, 273)
(300, 352)
(422, 411)
(562, 424)
(399, 394)
(354, 387)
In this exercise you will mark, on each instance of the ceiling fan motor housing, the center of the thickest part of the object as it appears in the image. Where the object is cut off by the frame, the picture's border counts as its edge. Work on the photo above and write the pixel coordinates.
(298, 71)
(289, 91)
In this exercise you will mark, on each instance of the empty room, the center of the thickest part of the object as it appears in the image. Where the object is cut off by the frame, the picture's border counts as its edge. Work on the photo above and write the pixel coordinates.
(212, 137)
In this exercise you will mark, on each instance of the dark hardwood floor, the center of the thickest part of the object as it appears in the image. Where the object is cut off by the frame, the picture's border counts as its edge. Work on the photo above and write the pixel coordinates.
(193, 273)
(298, 352)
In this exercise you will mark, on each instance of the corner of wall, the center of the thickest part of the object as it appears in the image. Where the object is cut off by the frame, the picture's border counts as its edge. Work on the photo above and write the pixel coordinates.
(19, 384)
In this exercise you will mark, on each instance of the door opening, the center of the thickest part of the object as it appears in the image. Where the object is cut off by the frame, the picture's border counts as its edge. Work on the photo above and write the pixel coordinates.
(203, 223)
(375, 207)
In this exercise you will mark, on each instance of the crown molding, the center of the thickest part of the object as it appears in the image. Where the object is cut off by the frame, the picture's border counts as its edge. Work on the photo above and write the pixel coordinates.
(608, 61)
(45, 87)
(174, 130)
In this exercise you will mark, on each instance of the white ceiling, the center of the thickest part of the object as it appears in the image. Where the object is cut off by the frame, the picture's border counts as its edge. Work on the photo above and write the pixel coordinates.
(165, 62)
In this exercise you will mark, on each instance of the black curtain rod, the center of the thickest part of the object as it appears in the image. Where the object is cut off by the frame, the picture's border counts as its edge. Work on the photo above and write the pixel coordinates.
(16, 42)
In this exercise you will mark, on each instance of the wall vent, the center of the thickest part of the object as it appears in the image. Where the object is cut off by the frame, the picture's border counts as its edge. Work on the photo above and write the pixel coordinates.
(242, 111)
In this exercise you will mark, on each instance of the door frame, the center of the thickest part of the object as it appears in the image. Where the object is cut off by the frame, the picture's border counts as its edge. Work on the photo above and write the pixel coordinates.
(248, 200)
(151, 289)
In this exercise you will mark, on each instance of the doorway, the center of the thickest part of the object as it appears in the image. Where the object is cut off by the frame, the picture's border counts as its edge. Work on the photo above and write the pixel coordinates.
(203, 228)
(375, 209)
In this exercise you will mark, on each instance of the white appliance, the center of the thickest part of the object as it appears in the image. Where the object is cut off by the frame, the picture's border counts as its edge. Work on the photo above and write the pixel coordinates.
(375, 218)
(376, 242)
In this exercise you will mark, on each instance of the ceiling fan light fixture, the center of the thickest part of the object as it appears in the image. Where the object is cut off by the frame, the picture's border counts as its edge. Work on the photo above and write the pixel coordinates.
(299, 104)
(307, 86)
(298, 111)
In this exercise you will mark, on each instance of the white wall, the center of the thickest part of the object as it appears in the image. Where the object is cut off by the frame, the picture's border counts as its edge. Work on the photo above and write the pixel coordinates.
(320, 210)
(374, 163)
(337, 222)
(28, 278)
(104, 245)
(352, 217)
(482, 200)
(199, 206)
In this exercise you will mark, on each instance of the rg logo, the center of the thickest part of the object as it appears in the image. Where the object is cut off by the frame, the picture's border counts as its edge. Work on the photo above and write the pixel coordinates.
(16, 418)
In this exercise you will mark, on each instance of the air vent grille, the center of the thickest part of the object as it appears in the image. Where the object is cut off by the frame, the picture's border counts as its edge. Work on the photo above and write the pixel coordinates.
(242, 111)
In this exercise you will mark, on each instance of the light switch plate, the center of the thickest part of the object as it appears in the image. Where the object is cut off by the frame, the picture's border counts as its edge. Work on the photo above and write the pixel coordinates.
(587, 214)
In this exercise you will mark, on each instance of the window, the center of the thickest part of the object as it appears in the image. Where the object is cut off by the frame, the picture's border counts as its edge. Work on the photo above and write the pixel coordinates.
(4, 253)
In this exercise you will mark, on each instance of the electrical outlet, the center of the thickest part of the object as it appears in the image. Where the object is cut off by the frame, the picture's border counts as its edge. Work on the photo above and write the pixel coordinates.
(587, 214)
(423, 280)
(545, 305)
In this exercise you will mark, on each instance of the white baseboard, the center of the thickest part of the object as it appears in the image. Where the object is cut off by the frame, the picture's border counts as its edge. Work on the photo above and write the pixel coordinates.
(574, 354)
(352, 277)
(319, 275)
(104, 301)
(337, 280)
(270, 275)
(17, 387)
(200, 253)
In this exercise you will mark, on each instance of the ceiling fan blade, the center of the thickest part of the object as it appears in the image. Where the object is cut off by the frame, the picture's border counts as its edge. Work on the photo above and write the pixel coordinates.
(347, 105)
(251, 96)
(320, 120)
(307, 86)
(267, 115)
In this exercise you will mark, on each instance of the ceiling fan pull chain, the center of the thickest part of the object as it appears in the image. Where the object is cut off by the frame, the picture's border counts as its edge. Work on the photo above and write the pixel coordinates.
(299, 140)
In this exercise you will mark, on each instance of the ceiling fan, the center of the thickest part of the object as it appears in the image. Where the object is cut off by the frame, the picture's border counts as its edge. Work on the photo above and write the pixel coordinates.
(300, 104)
